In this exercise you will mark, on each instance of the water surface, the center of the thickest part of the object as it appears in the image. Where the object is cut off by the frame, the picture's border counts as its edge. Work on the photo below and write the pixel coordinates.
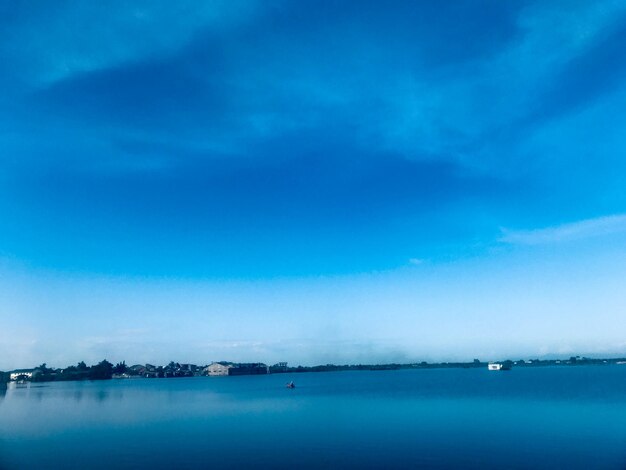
(556, 417)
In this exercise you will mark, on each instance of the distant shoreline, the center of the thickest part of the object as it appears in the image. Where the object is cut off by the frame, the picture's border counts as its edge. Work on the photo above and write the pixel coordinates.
(476, 364)
(106, 371)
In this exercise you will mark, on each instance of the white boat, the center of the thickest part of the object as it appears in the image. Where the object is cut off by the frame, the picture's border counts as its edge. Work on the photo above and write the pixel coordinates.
(498, 366)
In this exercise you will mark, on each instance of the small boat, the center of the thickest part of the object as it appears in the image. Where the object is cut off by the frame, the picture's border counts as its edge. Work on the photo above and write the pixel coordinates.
(291, 385)
(498, 366)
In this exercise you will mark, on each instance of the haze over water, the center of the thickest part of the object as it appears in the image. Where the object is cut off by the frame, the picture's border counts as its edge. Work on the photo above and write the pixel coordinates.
(540, 418)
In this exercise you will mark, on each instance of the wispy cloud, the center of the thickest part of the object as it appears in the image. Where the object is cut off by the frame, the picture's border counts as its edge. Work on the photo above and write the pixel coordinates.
(566, 232)
(316, 119)
(52, 47)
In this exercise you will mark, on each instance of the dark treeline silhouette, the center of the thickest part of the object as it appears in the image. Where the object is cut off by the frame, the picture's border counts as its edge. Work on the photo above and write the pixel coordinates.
(104, 370)
(475, 364)
(101, 371)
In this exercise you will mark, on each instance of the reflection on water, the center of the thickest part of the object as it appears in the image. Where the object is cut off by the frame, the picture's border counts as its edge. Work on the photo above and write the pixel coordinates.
(562, 417)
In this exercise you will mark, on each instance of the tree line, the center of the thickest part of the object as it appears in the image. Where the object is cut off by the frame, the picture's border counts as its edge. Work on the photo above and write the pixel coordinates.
(102, 371)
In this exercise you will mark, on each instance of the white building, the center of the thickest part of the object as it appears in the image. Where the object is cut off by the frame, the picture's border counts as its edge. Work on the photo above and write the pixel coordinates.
(19, 374)
(218, 368)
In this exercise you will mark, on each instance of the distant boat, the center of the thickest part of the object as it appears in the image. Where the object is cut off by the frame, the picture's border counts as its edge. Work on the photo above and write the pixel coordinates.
(498, 366)
(291, 385)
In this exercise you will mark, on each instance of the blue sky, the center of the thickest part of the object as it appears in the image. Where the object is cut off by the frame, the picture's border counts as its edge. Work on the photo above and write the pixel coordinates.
(311, 181)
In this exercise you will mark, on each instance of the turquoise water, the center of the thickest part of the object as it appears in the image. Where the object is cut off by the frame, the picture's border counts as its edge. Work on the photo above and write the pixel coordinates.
(560, 417)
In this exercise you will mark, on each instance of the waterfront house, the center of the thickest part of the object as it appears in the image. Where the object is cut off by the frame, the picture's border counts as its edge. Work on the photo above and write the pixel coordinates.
(137, 369)
(22, 374)
(218, 368)
(278, 368)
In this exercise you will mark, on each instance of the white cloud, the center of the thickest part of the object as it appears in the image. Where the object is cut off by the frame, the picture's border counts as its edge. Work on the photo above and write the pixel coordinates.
(572, 231)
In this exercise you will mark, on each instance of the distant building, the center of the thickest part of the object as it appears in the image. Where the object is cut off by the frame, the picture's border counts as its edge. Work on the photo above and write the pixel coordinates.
(218, 368)
(278, 368)
(256, 368)
(228, 368)
(137, 369)
(22, 374)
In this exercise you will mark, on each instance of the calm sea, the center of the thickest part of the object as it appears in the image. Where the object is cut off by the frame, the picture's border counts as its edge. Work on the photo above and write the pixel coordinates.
(560, 417)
